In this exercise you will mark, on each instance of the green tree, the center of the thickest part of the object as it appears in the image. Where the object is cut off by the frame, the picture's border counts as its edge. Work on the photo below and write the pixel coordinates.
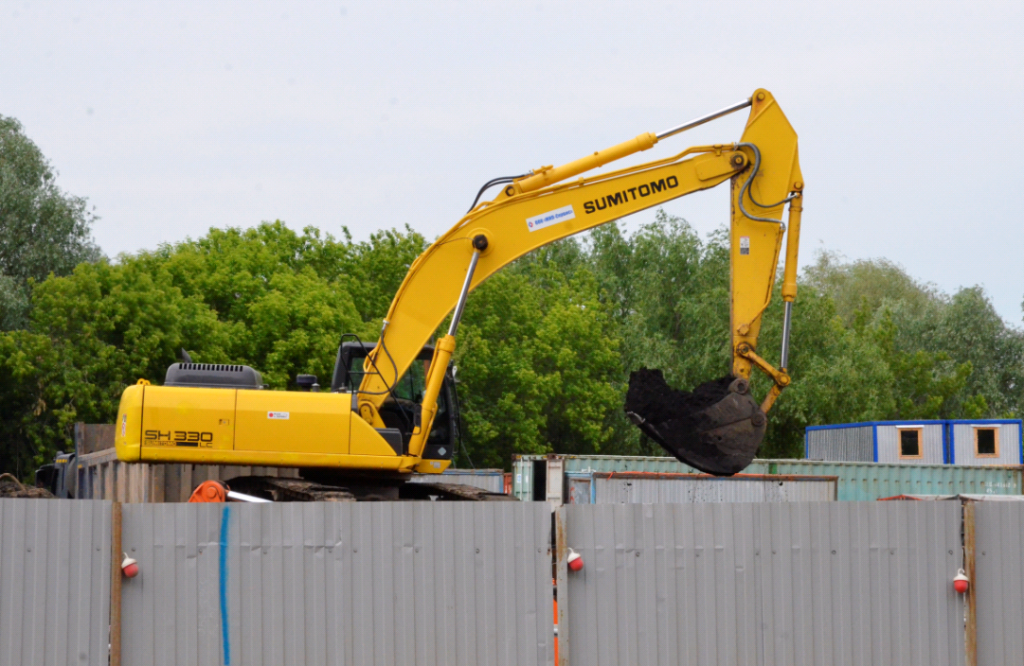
(926, 384)
(377, 267)
(538, 362)
(43, 229)
(969, 330)
(28, 368)
(951, 357)
(839, 374)
(867, 285)
(669, 291)
(252, 297)
(284, 298)
(545, 347)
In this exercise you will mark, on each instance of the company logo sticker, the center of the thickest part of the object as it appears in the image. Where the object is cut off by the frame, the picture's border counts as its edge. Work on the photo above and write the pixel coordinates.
(124, 425)
(551, 217)
(278, 416)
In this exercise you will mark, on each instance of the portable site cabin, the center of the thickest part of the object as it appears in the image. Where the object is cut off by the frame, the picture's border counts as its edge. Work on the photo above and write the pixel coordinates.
(949, 442)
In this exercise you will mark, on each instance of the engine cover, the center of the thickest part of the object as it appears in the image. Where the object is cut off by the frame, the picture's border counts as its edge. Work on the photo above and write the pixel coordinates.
(213, 375)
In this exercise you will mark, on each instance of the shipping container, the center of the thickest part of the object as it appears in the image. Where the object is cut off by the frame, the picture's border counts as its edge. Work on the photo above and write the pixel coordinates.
(662, 488)
(870, 481)
(529, 472)
(983, 442)
(963, 497)
(540, 478)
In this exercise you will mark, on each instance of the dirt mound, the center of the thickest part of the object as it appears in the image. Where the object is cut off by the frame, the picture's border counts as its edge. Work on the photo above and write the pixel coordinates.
(651, 397)
(11, 487)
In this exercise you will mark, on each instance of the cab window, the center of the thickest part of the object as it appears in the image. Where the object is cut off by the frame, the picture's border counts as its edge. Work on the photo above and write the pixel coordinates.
(410, 387)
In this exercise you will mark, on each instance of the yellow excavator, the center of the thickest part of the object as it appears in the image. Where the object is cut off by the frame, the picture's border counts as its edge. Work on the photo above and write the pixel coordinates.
(388, 411)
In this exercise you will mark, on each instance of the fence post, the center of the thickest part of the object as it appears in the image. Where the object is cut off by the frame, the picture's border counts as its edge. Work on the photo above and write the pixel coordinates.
(115, 585)
(971, 628)
(561, 589)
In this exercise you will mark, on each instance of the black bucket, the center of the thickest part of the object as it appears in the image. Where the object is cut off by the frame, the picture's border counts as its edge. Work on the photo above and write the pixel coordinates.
(717, 428)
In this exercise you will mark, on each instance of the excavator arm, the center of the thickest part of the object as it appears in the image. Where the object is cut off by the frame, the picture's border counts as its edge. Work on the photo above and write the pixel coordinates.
(554, 203)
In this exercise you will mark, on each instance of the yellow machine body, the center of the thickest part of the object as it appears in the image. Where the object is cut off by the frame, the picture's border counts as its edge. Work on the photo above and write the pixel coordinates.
(252, 427)
(341, 430)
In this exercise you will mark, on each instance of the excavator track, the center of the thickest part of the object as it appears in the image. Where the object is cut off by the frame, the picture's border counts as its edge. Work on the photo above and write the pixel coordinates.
(289, 490)
(451, 492)
(303, 490)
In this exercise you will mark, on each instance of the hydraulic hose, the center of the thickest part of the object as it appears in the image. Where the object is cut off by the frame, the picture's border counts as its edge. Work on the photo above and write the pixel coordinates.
(746, 187)
(491, 183)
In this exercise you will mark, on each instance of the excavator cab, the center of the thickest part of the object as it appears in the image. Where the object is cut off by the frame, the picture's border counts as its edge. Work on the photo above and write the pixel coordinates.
(402, 409)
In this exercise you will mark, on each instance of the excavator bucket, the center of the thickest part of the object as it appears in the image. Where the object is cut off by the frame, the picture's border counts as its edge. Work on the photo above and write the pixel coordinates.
(717, 428)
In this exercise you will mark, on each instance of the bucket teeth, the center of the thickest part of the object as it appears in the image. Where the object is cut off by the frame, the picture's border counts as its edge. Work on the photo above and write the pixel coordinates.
(717, 428)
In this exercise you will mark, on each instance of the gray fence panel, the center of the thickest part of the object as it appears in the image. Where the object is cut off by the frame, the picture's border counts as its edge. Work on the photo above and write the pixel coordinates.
(54, 581)
(802, 583)
(339, 583)
(999, 582)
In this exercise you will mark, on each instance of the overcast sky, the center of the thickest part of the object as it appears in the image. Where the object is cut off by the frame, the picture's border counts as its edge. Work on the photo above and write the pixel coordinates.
(176, 117)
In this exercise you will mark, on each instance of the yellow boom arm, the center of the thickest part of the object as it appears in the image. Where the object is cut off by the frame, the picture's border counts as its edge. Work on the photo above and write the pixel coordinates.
(545, 206)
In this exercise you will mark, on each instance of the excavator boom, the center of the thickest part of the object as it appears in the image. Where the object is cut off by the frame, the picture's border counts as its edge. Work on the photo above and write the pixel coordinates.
(545, 207)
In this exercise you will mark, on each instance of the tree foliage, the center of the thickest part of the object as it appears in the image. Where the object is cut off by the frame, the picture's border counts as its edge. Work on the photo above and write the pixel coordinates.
(267, 297)
(545, 347)
(538, 359)
(43, 229)
(951, 356)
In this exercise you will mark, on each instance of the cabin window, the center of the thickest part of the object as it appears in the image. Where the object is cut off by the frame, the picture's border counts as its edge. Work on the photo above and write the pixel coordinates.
(986, 442)
(911, 442)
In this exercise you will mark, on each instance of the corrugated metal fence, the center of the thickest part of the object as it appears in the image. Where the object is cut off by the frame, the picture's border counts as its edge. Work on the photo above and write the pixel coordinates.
(855, 444)
(339, 583)
(469, 583)
(835, 583)
(999, 582)
(54, 582)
